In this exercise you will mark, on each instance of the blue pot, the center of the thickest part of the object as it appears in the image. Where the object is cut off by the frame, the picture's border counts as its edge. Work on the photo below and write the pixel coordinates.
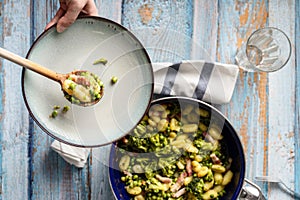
(231, 138)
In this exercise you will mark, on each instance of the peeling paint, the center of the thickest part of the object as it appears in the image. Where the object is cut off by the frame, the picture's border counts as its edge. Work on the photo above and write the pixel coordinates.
(244, 17)
(7, 26)
(34, 150)
(244, 128)
(262, 94)
(258, 19)
(243, 133)
(145, 12)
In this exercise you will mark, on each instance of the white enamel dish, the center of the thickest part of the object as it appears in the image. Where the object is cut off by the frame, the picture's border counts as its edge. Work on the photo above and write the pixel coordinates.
(123, 104)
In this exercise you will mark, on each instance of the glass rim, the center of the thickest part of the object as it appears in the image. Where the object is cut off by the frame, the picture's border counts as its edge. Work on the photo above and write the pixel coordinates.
(289, 44)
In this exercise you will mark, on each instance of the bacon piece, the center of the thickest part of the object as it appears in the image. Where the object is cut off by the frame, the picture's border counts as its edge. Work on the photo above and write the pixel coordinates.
(179, 193)
(125, 140)
(179, 182)
(188, 167)
(127, 173)
(215, 159)
(163, 179)
(81, 80)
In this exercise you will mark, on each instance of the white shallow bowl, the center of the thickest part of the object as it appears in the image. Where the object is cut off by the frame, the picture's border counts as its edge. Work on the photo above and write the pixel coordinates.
(123, 104)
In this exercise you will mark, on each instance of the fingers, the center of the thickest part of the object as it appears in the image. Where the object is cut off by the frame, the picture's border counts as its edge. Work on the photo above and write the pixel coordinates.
(55, 19)
(91, 8)
(69, 17)
(70, 10)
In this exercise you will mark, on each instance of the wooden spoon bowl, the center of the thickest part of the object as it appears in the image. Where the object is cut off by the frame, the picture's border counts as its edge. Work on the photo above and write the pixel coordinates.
(79, 87)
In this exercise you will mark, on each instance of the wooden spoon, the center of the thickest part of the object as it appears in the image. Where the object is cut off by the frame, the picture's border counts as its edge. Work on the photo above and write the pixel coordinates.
(69, 82)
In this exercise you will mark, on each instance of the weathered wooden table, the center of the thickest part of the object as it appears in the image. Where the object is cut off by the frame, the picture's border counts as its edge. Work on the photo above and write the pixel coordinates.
(265, 108)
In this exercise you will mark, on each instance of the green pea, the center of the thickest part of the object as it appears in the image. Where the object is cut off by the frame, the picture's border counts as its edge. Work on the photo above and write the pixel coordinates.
(98, 96)
(135, 177)
(114, 79)
(72, 86)
(65, 109)
(101, 84)
(54, 114)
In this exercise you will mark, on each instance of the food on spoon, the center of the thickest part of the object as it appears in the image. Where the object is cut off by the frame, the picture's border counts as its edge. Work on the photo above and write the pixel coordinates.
(168, 157)
(83, 87)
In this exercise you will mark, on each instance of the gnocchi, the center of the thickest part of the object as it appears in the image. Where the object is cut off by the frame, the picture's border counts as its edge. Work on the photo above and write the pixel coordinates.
(185, 163)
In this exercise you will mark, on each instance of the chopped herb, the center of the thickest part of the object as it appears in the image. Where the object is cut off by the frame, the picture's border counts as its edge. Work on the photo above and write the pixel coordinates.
(101, 60)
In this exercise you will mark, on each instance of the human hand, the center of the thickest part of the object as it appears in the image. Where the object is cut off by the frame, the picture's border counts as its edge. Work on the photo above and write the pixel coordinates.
(68, 12)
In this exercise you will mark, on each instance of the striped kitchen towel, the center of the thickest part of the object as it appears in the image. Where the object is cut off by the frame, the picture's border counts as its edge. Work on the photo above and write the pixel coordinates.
(76, 156)
(212, 82)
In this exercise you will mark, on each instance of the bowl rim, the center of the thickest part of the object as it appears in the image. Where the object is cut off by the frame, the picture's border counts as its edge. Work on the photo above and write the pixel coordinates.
(241, 180)
(41, 36)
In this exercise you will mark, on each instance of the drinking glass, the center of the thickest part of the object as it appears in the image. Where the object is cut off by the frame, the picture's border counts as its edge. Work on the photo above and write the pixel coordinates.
(267, 49)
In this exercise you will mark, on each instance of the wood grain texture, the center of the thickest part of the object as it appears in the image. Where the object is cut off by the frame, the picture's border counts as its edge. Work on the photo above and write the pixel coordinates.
(265, 108)
(297, 101)
(263, 104)
(110, 9)
(205, 30)
(164, 27)
(282, 102)
(15, 36)
(50, 176)
(232, 30)
(98, 162)
(248, 107)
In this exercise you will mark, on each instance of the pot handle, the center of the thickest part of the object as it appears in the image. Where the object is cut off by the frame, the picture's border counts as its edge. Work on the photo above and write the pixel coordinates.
(251, 191)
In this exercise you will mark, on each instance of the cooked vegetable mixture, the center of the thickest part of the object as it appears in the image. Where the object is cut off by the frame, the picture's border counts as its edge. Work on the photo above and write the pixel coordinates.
(83, 87)
(175, 153)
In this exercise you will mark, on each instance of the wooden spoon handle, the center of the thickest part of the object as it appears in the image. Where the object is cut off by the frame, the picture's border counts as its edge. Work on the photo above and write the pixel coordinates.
(30, 65)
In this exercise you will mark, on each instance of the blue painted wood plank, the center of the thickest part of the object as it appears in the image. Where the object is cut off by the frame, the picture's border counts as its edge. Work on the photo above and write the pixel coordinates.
(282, 101)
(15, 36)
(164, 27)
(205, 30)
(51, 177)
(98, 162)
(110, 9)
(248, 108)
(2, 92)
(297, 102)
(263, 105)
